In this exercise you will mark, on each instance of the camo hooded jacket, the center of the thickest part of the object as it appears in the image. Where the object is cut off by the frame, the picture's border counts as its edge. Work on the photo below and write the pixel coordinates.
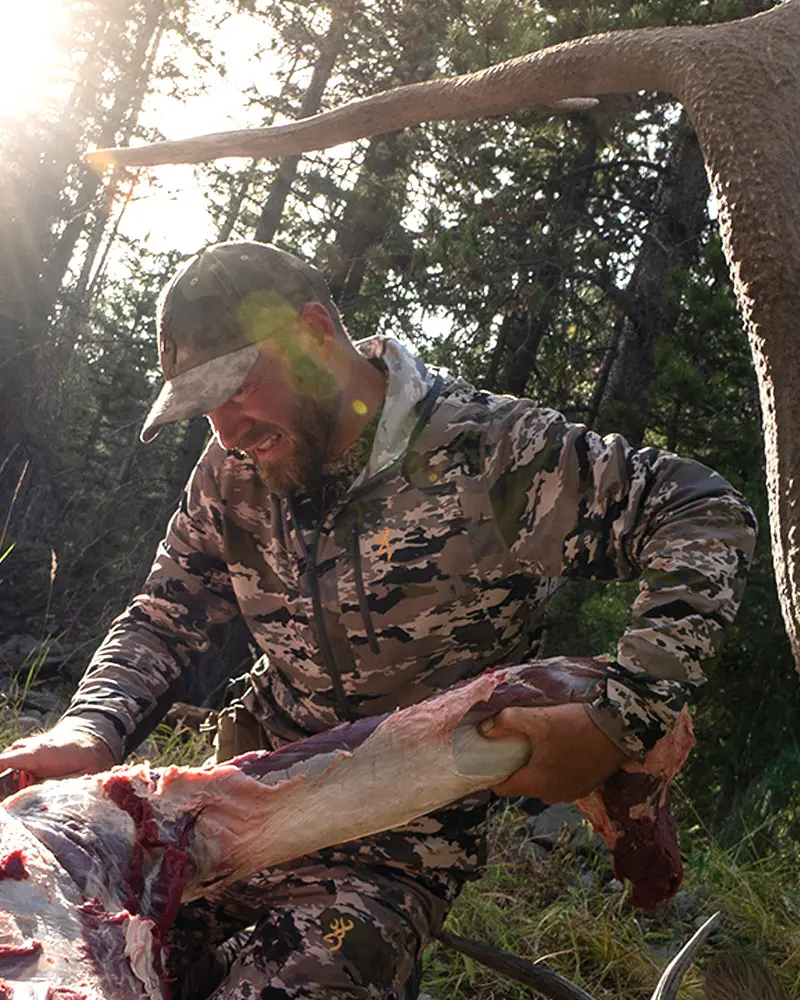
(435, 564)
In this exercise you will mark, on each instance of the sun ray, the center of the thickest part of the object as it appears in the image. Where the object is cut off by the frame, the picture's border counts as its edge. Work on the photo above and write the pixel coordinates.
(30, 57)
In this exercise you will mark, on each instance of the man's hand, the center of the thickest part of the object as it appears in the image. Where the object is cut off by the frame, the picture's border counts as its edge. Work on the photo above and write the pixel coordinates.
(570, 756)
(63, 751)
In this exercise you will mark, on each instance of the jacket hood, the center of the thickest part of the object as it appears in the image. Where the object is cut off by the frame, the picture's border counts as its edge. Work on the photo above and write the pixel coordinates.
(409, 382)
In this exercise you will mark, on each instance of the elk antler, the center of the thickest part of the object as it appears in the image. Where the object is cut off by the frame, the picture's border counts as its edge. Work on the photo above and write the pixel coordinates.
(538, 977)
(669, 982)
(556, 987)
(385, 112)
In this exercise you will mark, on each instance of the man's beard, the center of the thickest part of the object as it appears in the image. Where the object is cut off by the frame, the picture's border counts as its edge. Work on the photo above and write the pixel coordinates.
(314, 426)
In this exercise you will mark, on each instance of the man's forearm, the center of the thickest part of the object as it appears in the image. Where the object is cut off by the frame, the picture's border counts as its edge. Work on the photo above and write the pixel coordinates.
(130, 683)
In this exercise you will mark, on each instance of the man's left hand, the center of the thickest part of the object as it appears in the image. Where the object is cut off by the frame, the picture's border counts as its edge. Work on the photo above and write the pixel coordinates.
(570, 756)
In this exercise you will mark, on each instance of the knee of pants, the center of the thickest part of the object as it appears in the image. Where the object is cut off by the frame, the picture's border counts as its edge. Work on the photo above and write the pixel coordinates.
(348, 944)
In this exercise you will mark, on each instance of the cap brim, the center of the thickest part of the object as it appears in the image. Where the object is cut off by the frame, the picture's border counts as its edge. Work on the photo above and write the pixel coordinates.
(199, 390)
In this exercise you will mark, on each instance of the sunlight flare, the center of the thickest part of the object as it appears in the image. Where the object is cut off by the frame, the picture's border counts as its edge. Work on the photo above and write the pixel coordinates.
(29, 54)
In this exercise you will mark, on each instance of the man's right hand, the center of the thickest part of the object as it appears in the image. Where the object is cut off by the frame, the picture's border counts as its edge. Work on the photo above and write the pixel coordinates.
(62, 752)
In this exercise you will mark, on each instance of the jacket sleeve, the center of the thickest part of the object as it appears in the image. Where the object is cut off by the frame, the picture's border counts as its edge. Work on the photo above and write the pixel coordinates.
(134, 675)
(570, 503)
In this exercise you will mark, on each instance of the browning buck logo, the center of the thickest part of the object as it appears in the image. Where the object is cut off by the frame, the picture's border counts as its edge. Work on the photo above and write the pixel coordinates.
(340, 927)
(384, 545)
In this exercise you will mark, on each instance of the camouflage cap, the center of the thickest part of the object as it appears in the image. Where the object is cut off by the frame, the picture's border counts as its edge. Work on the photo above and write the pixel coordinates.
(213, 316)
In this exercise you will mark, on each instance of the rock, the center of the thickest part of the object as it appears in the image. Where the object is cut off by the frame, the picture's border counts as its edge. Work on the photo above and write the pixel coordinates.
(539, 851)
(21, 651)
(689, 902)
(562, 819)
(27, 724)
(45, 701)
(18, 645)
(148, 750)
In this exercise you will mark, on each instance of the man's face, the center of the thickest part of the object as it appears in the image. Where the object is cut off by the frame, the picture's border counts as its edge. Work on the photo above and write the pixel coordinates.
(285, 417)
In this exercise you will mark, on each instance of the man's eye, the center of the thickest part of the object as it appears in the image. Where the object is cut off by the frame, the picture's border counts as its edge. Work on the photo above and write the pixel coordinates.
(240, 393)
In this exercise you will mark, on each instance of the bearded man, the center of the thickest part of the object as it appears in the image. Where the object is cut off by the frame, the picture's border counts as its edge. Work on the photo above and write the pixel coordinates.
(386, 531)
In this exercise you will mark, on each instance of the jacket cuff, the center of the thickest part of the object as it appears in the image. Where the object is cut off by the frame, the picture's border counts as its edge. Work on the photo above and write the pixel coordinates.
(633, 711)
(100, 726)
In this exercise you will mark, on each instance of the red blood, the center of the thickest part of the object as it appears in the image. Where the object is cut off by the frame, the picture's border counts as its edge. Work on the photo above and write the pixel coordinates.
(176, 865)
(29, 947)
(13, 866)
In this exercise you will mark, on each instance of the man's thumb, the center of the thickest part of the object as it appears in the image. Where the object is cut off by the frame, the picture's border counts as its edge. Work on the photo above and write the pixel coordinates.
(497, 726)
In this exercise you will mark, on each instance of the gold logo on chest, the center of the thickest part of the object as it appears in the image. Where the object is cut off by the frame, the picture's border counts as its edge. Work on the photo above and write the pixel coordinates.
(338, 930)
(384, 545)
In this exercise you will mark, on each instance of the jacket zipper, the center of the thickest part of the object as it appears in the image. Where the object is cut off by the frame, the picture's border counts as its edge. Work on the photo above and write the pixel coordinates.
(311, 561)
(319, 618)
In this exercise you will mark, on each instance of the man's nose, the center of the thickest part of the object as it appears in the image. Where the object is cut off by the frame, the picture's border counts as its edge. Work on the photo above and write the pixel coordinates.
(230, 426)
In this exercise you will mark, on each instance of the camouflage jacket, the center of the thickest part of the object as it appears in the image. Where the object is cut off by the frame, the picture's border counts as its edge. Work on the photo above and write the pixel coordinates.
(433, 565)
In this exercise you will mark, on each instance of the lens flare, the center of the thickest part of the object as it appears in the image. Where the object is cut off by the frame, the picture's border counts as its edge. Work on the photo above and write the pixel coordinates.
(31, 62)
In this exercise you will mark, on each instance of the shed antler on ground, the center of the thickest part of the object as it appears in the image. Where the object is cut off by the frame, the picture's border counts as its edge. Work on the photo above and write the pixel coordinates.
(740, 84)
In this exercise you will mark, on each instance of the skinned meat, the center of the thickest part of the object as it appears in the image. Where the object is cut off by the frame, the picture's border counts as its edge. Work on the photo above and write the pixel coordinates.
(110, 857)
(631, 812)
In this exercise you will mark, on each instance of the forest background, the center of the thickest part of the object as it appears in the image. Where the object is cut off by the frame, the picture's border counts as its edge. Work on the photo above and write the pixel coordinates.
(572, 259)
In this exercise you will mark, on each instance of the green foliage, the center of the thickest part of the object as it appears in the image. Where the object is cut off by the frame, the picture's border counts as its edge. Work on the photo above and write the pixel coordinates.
(566, 912)
(178, 745)
(767, 816)
(704, 404)
(587, 620)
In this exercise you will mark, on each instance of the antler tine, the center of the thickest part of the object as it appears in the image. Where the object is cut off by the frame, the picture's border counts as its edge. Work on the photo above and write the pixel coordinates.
(667, 988)
(537, 977)
(294, 137)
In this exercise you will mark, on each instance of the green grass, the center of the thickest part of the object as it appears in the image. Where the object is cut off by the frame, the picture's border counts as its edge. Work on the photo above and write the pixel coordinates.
(179, 745)
(584, 927)
(166, 745)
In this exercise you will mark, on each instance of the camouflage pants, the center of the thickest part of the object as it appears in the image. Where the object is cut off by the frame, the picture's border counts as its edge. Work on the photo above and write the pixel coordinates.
(349, 922)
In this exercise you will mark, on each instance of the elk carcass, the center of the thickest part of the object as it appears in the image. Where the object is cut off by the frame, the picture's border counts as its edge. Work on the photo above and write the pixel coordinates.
(93, 869)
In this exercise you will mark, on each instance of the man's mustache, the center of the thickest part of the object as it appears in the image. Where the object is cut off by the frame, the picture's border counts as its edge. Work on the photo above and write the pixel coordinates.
(258, 436)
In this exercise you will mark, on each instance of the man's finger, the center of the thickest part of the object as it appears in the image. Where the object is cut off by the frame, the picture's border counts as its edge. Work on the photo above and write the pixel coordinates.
(501, 726)
(21, 743)
(9, 758)
(37, 764)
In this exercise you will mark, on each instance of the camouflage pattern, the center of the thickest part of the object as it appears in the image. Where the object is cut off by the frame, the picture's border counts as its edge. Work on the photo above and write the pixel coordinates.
(436, 562)
(350, 921)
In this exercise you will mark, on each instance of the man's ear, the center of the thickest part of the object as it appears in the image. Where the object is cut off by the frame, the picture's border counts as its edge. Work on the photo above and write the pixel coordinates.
(317, 322)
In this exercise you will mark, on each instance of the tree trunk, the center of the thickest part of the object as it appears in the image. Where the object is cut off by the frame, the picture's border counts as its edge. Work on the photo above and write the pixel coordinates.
(34, 201)
(120, 121)
(650, 304)
(329, 51)
(376, 201)
(371, 212)
(523, 329)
